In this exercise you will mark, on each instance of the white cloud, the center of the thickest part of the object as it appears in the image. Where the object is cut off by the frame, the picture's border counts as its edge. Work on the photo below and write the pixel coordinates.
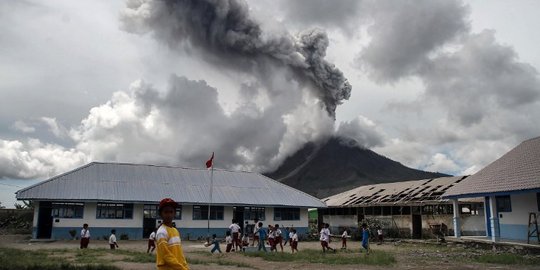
(23, 127)
(442, 163)
(55, 128)
(33, 159)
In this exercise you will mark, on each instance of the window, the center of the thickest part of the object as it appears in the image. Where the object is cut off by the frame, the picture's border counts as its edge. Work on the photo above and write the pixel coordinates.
(471, 209)
(67, 210)
(443, 209)
(504, 204)
(151, 211)
(252, 213)
(200, 212)
(114, 210)
(427, 210)
(406, 210)
(369, 211)
(286, 213)
(387, 210)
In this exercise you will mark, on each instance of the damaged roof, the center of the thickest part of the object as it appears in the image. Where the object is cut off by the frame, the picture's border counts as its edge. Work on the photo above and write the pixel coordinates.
(517, 170)
(398, 193)
(150, 183)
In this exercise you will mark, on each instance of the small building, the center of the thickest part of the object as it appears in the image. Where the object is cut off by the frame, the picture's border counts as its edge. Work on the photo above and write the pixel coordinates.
(125, 197)
(510, 188)
(408, 209)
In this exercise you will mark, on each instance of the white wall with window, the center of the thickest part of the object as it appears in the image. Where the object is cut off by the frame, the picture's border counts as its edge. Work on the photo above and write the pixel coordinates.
(96, 214)
(513, 213)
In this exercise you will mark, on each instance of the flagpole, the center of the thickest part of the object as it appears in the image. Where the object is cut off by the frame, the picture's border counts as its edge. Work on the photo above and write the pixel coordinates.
(211, 189)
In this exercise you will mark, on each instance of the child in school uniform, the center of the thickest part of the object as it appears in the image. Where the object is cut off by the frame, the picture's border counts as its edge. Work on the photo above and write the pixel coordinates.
(271, 238)
(286, 236)
(214, 242)
(85, 236)
(294, 241)
(325, 238)
(169, 253)
(379, 235)
(278, 237)
(365, 238)
(255, 233)
(151, 242)
(291, 233)
(344, 237)
(112, 240)
(245, 241)
(261, 232)
(228, 241)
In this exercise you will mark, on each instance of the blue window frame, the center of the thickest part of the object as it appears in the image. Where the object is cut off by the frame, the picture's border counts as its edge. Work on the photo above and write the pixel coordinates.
(286, 213)
(200, 212)
(504, 203)
(114, 211)
(67, 210)
(252, 213)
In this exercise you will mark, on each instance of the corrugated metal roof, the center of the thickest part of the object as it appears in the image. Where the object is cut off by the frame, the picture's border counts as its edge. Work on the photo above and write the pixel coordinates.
(516, 170)
(150, 183)
(398, 193)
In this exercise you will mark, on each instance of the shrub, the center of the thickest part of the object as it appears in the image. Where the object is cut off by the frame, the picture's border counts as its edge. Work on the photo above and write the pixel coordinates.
(124, 237)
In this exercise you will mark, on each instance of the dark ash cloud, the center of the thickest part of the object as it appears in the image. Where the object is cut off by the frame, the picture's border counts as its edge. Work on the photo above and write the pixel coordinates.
(223, 33)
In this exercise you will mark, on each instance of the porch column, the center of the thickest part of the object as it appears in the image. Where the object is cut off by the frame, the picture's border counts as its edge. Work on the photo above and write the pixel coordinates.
(494, 219)
(457, 219)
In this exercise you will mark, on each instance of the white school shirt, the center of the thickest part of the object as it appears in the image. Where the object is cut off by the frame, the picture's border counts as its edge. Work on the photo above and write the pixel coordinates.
(245, 238)
(294, 237)
(228, 240)
(271, 234)
(112, 239)
(379, 231)
(325, 235)
(344, 235)
(277, 232)
(256, 228)
(291, 234)
(234, 228)
(85, 233)
(152, 236)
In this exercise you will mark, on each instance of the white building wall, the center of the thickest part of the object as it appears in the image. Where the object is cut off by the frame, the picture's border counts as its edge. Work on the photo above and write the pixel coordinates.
(133, 227)
(89, 216)
(514, 225)
(522, 205)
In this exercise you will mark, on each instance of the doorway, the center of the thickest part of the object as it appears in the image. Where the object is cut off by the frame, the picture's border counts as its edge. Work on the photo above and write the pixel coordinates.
(416, 226)
(149, 224)
(238, 215)
(45, 220)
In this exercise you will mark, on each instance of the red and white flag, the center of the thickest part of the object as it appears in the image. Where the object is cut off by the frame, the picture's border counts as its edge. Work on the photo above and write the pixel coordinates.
(210, 162)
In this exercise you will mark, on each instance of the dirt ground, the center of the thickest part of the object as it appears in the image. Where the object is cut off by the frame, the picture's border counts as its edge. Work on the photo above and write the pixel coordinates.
(408, 256)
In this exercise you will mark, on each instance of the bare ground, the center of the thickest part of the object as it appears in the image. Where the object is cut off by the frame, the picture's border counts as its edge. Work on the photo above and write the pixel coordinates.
(408, 256)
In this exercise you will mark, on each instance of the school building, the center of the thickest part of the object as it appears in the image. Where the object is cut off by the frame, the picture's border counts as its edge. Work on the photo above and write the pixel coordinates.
(409, 209)
(510, 188)
(125, 197)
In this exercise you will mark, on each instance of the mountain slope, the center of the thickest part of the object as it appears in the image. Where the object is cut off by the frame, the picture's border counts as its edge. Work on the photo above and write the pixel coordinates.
(339, 165)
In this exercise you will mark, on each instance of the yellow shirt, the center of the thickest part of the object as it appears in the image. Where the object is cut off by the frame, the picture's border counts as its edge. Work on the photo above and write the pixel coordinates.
(170, 255)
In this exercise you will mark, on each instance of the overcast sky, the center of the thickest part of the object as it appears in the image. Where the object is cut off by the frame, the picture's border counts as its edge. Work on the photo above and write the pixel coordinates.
(445, 86)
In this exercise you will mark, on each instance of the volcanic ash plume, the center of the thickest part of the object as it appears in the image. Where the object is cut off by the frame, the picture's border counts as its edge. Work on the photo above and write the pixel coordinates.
(224, 33)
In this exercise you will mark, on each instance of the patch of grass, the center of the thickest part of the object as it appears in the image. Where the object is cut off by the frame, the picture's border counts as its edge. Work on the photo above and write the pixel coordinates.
(220, 261)
(316, 256)
(137, 257)
(506, 258)
(40, 260)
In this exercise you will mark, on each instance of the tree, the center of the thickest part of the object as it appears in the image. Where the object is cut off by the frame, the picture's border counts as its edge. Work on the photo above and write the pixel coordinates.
(25, 205)
(1, 206)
